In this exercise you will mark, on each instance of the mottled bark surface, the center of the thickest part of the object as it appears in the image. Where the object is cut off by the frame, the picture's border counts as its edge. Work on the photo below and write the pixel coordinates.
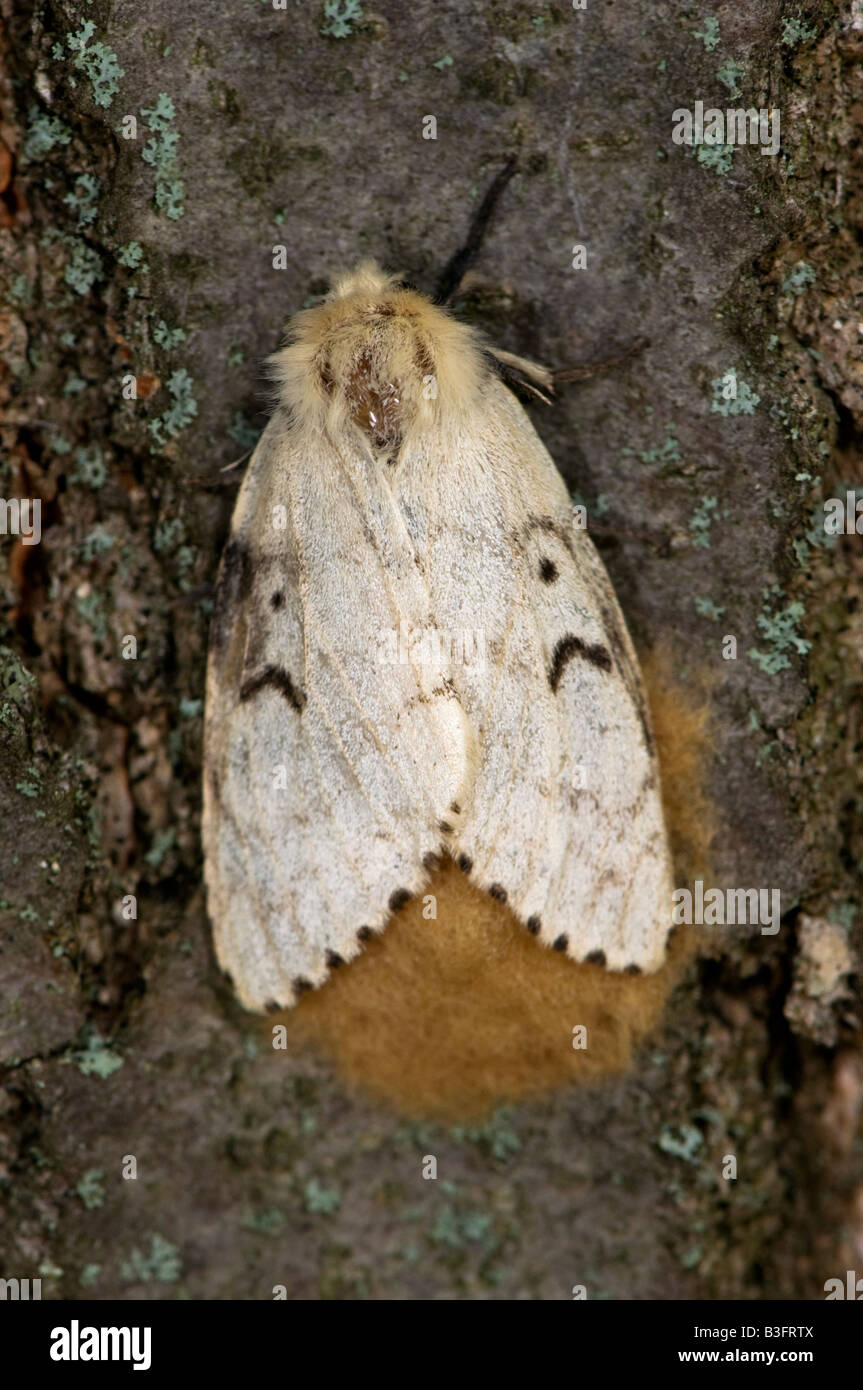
(154, 258)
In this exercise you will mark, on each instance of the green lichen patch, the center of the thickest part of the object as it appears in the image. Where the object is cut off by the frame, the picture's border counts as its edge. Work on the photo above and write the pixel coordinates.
(798, 278)
(665, 456)
(340, 18)
(496, 1136)
(780, 627)
(267, 1222)
(97, 1058)
(84, 198)
(719, 158)
(83, 267)
(795, 31)
(168, 338)
(319, 1199)
(731, 395)
(90, 468)
(702, 520)
(91, 1188)
(131, 255)
(97, 61)
(160, 152)
(180, 413)
(708, 33)
(44, 133)
(681, 1141)
(706, 608)
(729, 74)
(457, 1229)
(163, 1264)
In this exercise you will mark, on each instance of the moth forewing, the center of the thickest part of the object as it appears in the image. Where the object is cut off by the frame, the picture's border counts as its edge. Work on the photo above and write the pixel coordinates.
(416, 652)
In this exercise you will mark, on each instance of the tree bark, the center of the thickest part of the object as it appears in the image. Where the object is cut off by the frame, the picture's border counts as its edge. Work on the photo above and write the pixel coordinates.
(153, 160)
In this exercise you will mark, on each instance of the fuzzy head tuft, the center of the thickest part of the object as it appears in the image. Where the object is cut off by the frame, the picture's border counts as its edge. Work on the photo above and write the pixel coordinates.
(377, 358)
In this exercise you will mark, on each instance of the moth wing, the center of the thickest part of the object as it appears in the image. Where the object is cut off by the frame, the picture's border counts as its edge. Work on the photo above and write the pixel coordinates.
(331, 757)
(565, 819)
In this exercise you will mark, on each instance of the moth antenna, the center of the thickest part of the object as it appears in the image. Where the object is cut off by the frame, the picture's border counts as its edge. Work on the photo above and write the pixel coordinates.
(459, 264)
(589, 369)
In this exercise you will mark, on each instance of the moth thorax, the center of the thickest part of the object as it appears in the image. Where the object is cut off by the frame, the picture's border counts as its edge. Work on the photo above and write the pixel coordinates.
(376, 368)
(375, 403)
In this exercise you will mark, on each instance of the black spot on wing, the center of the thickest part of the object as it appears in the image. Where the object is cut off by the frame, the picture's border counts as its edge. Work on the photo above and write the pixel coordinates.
(632, 969)
(364, 934)
(399, 898)
(533, 925)
(233, 583)
(301, 986)
(334, 960)
(595, 958)
(273, 678)
(571, 646)
(465, 863)
(277, 599)
(548, 571)
(560, 943)
(498, 893)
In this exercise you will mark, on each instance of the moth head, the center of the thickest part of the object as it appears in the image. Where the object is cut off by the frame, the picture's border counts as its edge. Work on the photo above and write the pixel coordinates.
(379, 358)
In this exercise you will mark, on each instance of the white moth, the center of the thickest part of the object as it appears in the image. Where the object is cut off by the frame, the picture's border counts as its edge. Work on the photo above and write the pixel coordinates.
(415, 651)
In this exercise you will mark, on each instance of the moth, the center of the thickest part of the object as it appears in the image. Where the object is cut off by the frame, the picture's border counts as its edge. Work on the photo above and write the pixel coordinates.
(399, 499)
